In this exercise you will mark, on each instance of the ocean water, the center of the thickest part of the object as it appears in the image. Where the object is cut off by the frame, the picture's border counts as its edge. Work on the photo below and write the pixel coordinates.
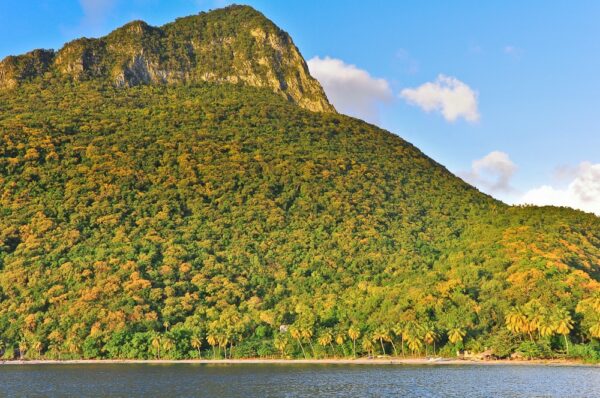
(297, 380)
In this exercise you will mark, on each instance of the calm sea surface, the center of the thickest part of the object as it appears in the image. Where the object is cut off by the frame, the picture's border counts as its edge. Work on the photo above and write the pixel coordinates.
(272, 380)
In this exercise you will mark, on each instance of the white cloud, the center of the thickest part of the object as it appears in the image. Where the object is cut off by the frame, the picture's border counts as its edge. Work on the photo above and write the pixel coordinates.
(492, 173)
(351, 90)
(96, 11)
(582, 193)
(447, 95)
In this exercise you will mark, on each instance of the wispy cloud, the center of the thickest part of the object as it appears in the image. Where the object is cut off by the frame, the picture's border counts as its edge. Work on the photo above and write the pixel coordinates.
(492, 173)
(446, 95)
(351, 90)
(92, 23)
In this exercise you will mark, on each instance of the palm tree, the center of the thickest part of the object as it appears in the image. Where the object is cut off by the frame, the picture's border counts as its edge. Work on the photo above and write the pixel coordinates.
(590, 307)
(156, 343)
(545, 325)
(382, 335)
(524, 320)
(168, 344)
(196, 342)
(38, 347)
(563, 323)
(325, 339)
(211, 339)
(414, 342)
(455, 335)
(367, 345)
(307, 334)
(280, 342)
(339, 340)
(399, 330)
(223, 340)
(232, 338)
(516, 320)
(22, 349)
(354, 334)
(430, 337)
(297, 335)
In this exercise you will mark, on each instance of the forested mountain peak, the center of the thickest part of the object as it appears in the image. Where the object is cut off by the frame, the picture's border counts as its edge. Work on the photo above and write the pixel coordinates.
(149, 211)
(236, 44)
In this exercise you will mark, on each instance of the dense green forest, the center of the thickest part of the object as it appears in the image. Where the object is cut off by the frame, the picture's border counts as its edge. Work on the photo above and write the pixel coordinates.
(210, 219)
(213, 220)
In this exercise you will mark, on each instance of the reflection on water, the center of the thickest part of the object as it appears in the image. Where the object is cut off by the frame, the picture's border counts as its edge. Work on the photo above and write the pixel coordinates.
(271, 380)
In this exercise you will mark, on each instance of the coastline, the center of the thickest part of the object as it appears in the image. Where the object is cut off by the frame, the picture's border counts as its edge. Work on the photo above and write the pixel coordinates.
(359, 361)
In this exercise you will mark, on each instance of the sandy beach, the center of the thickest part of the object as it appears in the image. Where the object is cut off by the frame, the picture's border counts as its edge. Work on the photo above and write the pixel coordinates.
(359, 361)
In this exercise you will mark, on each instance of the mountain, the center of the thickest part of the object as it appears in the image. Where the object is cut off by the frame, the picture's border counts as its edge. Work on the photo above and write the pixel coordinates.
(187, 217)
(233, 45)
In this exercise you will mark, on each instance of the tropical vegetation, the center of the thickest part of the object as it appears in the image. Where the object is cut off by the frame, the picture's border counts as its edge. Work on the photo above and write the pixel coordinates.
(218, 220)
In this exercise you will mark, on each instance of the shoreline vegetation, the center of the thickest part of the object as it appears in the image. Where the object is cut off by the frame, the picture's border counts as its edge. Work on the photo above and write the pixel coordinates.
(341, 361)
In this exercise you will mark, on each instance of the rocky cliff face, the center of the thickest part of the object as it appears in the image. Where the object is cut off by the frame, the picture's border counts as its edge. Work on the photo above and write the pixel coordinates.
(16, 69)
(232, 45)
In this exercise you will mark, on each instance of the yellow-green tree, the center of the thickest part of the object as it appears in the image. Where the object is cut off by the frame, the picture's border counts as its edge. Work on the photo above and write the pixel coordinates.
(296, 334)
(340, 338)
(325, 339)
(223, 340)
(156, 343)
(22, 349)
(212, 340)
(456, 335)
(381, 334)
(562, 323)
(414, 342)
(430, 337)
(367, 345)
(400, 330)
(280, 342)
(354, 334)
(590, 309)
(38, 346)
(307, 334)
(196, 343)
(168, 344)
(522, 320)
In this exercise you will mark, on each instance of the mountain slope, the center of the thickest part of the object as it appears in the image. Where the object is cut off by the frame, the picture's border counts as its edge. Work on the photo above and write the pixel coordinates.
(233, 45)
(172, 220)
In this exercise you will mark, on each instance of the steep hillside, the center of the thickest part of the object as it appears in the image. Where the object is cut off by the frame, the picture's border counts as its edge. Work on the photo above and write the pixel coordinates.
(220, 219)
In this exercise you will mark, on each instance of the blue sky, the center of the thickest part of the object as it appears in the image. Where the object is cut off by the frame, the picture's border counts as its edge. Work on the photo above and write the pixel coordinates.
(505, 94)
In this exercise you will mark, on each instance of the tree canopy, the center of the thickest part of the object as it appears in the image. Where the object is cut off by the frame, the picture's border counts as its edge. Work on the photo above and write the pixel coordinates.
(222, 220)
